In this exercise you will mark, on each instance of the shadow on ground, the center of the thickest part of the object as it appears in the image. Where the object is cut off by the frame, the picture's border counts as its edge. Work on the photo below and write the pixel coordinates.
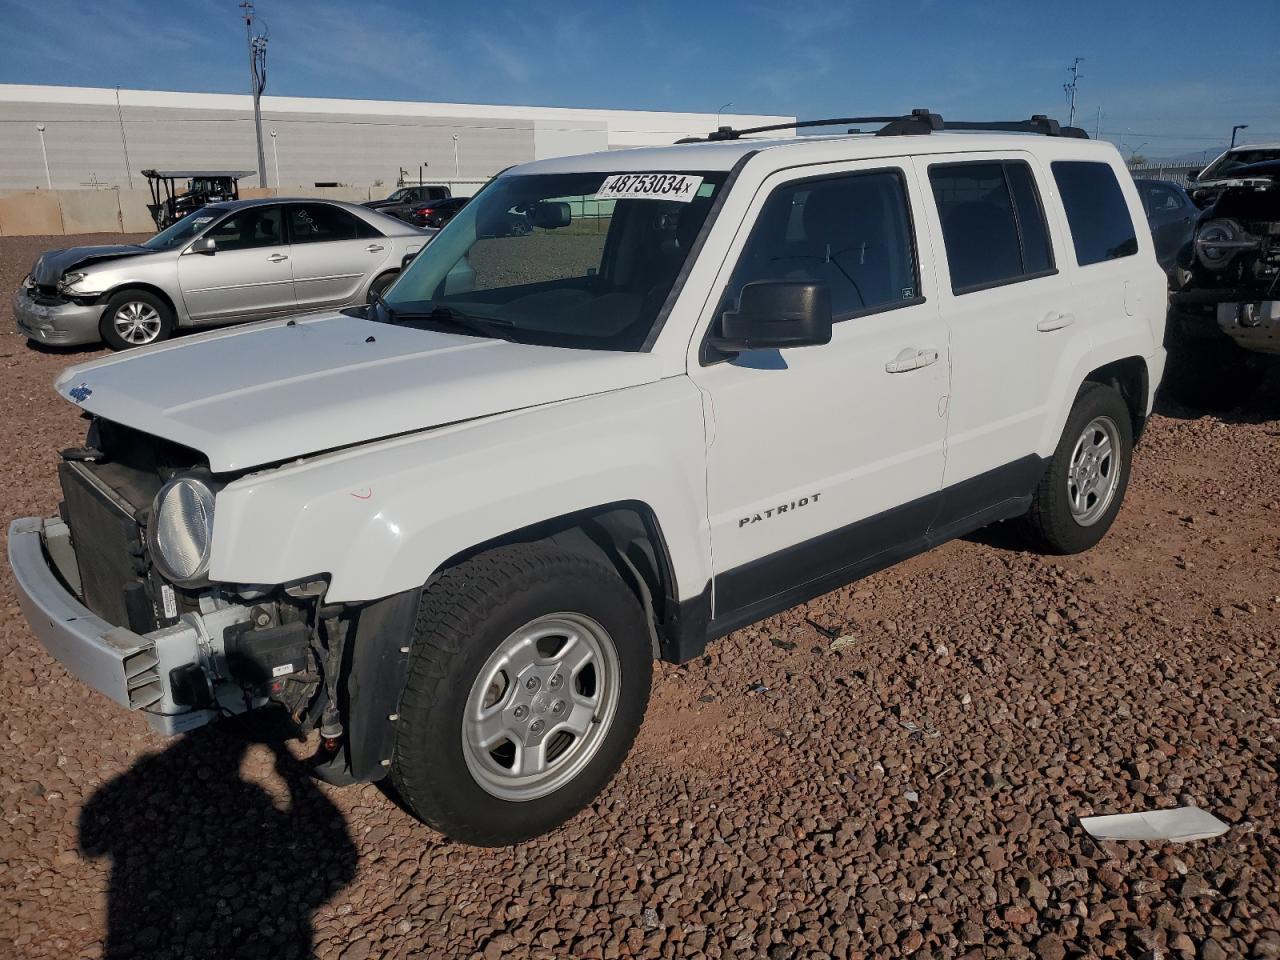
(207, 863)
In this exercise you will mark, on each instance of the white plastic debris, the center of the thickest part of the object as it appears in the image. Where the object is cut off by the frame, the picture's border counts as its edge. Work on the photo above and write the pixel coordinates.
(1178, 825)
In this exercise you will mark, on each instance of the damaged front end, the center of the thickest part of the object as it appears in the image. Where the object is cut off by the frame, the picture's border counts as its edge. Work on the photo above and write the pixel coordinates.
(1228, 283)
(115, 587)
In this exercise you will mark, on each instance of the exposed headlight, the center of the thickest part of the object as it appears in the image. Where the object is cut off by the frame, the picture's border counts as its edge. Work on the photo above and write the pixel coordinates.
(69, 280)
(181, 531)
(1217, 241)
(27, 282)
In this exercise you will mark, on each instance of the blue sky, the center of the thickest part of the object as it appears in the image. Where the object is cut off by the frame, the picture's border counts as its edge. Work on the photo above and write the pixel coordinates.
(1165, 75)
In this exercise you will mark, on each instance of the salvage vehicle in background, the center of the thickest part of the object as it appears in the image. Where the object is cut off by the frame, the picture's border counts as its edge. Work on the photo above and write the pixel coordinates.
(1171, 215)
(1224, 326)
(229, 263)
(452, 529)
(1207, 183)
(400, 202)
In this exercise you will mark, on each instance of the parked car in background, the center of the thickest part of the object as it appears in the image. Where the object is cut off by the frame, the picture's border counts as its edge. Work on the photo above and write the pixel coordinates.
(436, 213)
(1171, 216)
(227, 263)
(402, 201)
(454, 529)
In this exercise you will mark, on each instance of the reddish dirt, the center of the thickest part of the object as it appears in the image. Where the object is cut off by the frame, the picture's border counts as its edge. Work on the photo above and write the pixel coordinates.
(914, 793)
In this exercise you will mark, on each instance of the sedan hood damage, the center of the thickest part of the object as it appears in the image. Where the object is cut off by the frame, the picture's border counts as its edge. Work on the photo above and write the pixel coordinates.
(50, 266)
(284, 389)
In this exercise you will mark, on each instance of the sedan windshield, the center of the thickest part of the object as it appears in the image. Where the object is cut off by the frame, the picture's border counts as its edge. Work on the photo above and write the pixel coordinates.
(576, 260)
(185, 230)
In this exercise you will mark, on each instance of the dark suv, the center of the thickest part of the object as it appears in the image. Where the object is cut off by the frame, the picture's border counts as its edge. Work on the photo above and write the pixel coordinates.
(404, 199)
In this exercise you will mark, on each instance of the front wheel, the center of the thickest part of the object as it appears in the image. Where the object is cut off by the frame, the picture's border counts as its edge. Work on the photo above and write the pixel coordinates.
(528, 678)
(1082, 488)
(135, 318)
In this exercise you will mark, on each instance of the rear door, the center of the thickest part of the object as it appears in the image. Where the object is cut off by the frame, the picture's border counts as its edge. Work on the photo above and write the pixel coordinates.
(335, 254)
(247, 277)
(1009, 310)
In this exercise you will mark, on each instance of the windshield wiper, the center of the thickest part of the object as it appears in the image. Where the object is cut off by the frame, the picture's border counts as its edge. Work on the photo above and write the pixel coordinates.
(485, 326)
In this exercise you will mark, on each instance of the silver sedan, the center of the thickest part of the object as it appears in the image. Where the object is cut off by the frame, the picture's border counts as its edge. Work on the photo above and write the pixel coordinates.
(226, 263)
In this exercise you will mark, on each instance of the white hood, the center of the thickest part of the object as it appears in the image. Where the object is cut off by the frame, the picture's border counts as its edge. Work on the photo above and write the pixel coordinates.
(270, 392)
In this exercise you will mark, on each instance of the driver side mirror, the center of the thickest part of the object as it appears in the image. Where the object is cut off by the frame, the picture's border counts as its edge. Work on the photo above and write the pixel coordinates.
(206, 245)
(1193, 175)
(775, 315)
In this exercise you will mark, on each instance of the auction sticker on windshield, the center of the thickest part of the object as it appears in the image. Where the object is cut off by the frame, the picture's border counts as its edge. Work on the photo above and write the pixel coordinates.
(680, 187)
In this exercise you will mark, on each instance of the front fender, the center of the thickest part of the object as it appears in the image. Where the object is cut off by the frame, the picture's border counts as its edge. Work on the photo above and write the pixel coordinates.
(380, 518)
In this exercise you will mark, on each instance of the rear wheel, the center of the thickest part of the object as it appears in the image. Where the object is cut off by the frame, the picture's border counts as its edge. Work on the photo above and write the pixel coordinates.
(380, 285)
(135, 318)
(528, 678)
(1082, 488)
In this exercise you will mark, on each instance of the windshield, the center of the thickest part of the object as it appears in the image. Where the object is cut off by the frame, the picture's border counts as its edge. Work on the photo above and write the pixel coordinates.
(185, 230)
(577, 260)
(1224, 165)
(404, 193)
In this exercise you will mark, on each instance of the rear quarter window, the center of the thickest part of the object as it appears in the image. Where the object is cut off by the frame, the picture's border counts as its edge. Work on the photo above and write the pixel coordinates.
(1101, 228)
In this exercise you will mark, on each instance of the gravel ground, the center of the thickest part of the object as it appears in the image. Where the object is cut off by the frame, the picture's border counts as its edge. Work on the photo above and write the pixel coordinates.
(913, 792)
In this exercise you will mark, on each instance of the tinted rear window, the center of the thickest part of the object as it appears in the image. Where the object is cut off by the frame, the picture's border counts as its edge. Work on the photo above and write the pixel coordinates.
(1101, 227)
(992, 223)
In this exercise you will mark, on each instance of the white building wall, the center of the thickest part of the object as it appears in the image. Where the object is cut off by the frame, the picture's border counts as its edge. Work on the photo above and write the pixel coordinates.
(355, 142)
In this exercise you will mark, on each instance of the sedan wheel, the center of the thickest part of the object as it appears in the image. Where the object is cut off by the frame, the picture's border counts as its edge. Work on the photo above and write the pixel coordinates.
(137, 323)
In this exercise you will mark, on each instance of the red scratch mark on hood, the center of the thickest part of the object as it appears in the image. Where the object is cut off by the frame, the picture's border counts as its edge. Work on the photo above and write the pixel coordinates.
(364, 493)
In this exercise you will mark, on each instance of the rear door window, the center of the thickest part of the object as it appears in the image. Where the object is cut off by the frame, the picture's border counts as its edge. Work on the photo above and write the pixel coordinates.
(1101, 228)
(322, 223)
(993, 223)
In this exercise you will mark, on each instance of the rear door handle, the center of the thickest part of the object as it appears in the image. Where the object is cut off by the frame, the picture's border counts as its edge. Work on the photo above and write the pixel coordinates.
(374, 248)
(911, 359)
(277, 258)
(1055, 321)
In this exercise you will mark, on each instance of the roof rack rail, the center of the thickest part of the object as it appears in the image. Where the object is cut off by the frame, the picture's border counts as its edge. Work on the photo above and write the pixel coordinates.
(917, 123)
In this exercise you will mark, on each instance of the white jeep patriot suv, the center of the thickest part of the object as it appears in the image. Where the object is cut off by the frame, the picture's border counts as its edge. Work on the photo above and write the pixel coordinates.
(622, 404)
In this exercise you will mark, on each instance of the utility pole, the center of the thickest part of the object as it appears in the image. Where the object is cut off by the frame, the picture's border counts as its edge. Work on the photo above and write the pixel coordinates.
(456, 174)
(1070, 88)
(1234, 130)
(275, 152)
(257, 82)
(48, 177)
(1097, 126)
(123, 142)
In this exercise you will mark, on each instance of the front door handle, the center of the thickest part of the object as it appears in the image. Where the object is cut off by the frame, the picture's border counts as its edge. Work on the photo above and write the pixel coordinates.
(277, 258)
(911, 359)
(1055, 321)
(374, 248)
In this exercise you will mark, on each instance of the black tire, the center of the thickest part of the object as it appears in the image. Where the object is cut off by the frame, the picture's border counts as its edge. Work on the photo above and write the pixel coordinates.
(381, 283)
(465, 615)
(1051, 523)
(107, 325)
(1211, 373)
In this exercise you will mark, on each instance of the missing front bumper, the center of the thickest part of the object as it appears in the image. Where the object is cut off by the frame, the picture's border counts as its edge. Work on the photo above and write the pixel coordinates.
(134, 670)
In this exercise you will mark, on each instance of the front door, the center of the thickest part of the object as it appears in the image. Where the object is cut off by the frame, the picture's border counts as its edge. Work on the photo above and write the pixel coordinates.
(825, 461)
(335, 254)
(247, 276)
